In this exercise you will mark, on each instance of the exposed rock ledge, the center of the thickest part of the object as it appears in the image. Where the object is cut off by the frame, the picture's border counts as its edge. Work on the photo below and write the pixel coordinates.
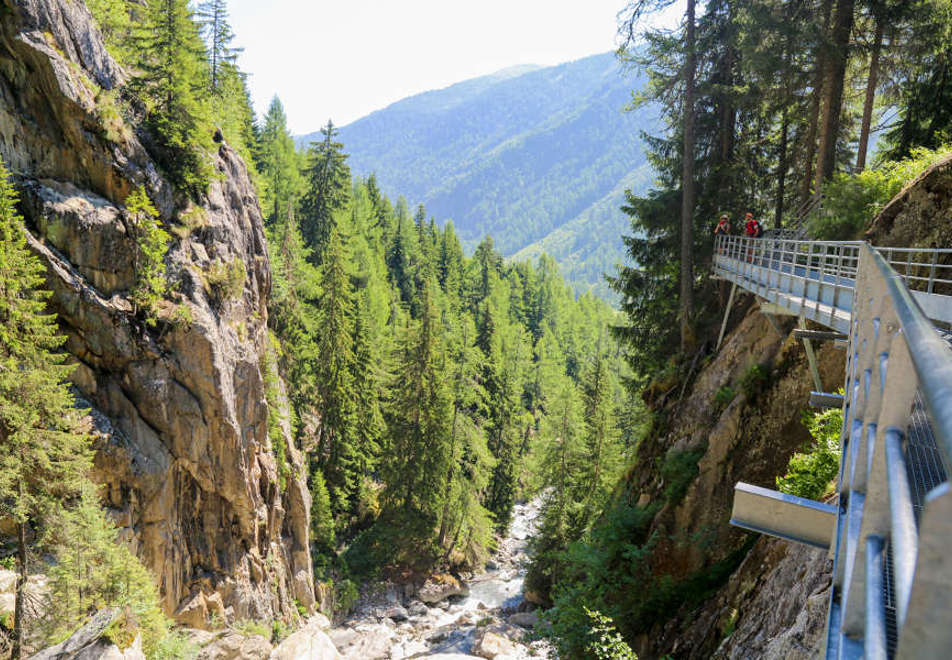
(184, 454)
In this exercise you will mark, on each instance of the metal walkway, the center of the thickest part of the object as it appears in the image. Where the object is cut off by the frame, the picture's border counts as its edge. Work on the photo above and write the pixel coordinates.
(890, 529)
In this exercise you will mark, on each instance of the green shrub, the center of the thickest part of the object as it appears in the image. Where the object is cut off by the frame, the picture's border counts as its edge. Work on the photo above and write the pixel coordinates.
(279, 631)
(225, 280)
(850, 201)
(110, 115)
(754, 381)
(810, 473)
(678, 471)
(724, 396)
(249, 627)
(604, 641)
(175, 646)
(151, 246)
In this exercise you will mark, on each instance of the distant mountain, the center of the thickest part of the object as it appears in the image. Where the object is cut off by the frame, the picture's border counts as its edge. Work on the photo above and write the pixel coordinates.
(537, 157)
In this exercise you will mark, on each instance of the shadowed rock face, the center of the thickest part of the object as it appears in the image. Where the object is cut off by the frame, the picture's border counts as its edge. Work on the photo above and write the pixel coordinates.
(184, 454)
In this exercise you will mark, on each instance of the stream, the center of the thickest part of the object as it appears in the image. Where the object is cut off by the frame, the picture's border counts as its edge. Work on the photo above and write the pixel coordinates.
(482, 617)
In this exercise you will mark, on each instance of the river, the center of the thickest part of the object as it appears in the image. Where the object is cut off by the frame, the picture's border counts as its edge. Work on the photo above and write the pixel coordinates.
(488, 619)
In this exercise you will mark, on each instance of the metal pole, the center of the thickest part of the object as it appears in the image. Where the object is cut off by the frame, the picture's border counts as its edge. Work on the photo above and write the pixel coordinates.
(727, 313)
(811, 357)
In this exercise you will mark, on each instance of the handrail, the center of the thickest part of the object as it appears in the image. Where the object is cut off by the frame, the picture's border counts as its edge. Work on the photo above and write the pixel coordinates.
(892, 570)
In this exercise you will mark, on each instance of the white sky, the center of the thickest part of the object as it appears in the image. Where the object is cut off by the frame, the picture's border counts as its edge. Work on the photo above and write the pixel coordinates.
(342, 59)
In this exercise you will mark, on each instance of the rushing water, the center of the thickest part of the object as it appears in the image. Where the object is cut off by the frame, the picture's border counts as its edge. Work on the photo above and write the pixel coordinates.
(451, 626)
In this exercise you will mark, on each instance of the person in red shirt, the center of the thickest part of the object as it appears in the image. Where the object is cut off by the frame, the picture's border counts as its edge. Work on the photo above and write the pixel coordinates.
(752, 227)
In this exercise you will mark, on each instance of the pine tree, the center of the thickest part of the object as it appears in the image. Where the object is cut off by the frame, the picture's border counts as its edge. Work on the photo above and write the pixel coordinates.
(328, 190)
(366, 372)
(93, 570)
(213, 19)
(151, 245)
(338, 451)
(172, 80)
(278, 164)
(44, 448)
(418, 454)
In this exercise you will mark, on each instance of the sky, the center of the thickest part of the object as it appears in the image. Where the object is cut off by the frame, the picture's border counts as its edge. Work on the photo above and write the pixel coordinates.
(343, 59)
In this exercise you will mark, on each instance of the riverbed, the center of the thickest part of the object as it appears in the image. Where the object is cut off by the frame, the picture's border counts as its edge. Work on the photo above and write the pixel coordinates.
(486, 618)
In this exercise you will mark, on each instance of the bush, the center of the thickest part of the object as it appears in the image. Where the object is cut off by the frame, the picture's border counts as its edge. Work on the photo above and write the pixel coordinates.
(249, 627)
(604, 641)
(225, 280)
(810, 473)
(754, 381)
(850, 201)
(175, 646)
(723, 397)
(678, 471)
(151, 246)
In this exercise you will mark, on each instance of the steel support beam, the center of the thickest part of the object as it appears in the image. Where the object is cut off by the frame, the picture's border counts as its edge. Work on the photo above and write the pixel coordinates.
(784, 516)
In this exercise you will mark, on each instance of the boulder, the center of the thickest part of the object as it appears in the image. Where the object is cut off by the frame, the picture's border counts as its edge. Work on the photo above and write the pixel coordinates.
(524, 619)
(234, 646)
(418, 609)
(308, 643)
(396, 614)
(440, 587)
(489, 645)
(87, 643)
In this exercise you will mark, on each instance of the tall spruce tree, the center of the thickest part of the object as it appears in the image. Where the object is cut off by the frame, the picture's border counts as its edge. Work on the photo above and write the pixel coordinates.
(44, 447)
(172, 80)
(328, 190)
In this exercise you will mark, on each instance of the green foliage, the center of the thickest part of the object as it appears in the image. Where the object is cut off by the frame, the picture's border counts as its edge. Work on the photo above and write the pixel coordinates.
(322, 518)
(249, 627)
(605, 643)
(679, 471)
(851, 201)
(225, 280)
(810, 473)
(171, 80)
(110, 112)
(277, 418)
(151, 246)
(723, 397)
(115, 22)
(176, 645)
(94, 570)
(754, 381)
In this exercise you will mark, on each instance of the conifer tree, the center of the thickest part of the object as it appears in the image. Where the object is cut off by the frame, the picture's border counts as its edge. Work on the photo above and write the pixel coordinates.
(338, 452)
(213, 18)
(278, 163)
(328, 190)
(172, 80)
(151, 245)
(366, 383)
(418, 454)
(44, 448)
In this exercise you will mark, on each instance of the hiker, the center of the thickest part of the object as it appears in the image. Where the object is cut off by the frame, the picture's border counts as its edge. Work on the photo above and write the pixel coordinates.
(752, 227)
(723, 226)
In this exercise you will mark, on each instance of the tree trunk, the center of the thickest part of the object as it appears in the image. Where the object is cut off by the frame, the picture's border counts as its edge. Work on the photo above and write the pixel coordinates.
(20, 589)
(833, 92)
(782, 164)
(870, 96)
(687, 187)
(814, 118)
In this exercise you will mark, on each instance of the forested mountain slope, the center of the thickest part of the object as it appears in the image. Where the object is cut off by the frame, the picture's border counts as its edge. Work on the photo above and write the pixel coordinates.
(539, 159)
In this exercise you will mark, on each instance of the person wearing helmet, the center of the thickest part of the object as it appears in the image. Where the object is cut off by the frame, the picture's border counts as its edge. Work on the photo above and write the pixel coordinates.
(752, 228)
(723, 226)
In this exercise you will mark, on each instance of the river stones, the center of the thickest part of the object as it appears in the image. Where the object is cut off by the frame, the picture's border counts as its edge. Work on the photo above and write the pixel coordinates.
(524, 619)
(440, 587)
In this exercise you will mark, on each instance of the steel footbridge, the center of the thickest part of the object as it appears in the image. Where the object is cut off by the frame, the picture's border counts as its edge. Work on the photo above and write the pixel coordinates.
(889, 526)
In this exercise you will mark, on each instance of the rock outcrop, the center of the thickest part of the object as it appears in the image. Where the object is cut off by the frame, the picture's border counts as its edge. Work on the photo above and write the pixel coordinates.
(184, 454)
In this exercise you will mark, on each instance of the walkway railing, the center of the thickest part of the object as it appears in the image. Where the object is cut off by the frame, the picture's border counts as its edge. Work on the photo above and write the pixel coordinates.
(893, 569)
(892, 537)
(815, 279)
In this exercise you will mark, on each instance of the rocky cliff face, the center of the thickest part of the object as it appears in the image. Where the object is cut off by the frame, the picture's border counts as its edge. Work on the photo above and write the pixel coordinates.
(767, 603)
(184, 453)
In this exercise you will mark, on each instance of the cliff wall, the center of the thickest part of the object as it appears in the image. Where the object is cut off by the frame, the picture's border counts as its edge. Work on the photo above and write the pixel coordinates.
(184, 454)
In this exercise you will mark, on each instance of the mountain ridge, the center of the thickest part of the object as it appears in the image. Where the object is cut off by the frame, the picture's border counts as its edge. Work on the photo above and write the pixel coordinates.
(537, 157)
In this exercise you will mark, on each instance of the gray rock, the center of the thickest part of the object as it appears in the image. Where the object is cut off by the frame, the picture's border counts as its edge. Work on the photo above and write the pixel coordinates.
(396, 614)
(524, 619)
(234, 646)
(418, 609)
(308, 643)
(86, 642)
